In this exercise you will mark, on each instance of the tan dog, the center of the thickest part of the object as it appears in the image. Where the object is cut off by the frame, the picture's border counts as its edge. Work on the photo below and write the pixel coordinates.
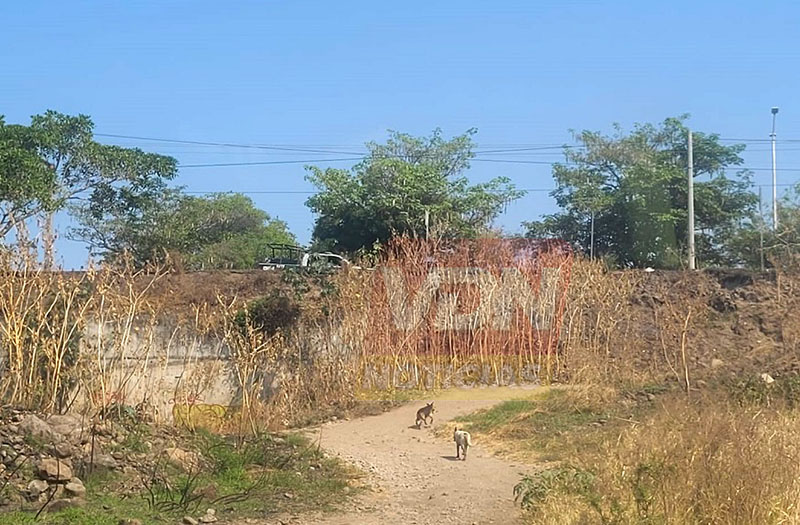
(463, 442)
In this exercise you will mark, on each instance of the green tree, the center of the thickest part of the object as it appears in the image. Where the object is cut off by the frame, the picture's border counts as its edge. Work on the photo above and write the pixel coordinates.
(226, 231)
(27, 184)
(781, 247)
(218, 231)
(635, 184)
(400, 182)
(55, 161)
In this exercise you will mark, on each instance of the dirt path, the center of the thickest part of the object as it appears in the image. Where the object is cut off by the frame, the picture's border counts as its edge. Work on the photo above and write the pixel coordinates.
(413, 474)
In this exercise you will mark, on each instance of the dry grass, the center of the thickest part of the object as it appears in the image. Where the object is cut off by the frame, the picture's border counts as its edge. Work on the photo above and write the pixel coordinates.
(687, 463)
(94, 340)
(63, 335)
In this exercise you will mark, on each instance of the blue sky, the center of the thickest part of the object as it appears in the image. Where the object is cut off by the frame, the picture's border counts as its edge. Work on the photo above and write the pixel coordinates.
(333, 75)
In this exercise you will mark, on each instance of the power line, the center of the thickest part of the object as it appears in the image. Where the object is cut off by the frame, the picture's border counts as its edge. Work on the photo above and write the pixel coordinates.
(224, 144)
(266, 163)
(308, 192)
(360, 156)
(505, 161)
(306, 149)
(301, 192)
(758, 141)
(255, 192)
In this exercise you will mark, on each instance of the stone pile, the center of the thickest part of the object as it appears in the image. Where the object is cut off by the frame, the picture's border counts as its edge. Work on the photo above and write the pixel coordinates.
(42, 456)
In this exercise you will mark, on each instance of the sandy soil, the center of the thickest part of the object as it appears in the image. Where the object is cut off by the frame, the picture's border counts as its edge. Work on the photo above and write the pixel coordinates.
(413, 475)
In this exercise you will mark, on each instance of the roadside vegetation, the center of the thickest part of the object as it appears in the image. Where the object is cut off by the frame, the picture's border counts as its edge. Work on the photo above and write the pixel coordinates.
(621, 458)
(254, 477)
(689, 418)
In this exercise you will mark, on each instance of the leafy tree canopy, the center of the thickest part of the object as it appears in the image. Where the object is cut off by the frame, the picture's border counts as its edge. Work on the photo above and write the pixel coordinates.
(635, 185)
(391, 190)
(218, 231)
(55, 161)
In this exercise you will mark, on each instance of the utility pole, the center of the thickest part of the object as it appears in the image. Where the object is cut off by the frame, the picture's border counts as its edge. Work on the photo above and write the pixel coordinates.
(761, 228)
(691, 203)
(48, 242)
(591, 240)
(774, 175)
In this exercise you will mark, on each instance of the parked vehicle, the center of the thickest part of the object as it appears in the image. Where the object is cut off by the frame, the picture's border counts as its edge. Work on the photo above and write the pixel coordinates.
(288, 256)
(282, 256)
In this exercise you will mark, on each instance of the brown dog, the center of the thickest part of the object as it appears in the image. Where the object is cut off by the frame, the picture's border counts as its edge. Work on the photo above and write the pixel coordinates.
(424, 414)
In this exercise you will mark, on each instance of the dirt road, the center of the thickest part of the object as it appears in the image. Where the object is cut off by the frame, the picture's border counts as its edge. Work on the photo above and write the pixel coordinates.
(413, 474)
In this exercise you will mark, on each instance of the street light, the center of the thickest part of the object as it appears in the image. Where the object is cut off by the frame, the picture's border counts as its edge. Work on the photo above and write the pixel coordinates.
(774, 175)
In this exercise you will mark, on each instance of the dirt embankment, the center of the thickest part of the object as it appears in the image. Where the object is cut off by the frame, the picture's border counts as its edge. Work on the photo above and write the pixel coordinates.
(739, 323)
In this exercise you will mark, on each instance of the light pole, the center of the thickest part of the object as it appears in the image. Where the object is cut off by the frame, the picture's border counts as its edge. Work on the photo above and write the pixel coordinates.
(774, 175)
(690, 196)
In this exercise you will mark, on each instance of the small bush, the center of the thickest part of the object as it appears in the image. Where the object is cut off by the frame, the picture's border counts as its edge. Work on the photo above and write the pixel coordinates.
(270, 314)
(753, 390)
(533, 490)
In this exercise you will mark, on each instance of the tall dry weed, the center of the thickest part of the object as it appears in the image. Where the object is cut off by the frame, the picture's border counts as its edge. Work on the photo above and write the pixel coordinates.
(61, 333)
(689, 463)
(596, 342)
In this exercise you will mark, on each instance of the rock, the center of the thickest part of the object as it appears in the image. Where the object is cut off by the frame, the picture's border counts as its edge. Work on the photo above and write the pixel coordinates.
(62, 504)
(36, 487)
(106, 461)
(288, 495)
(185, 459)
(62, 450)
(104, 429)
(33, 426)
(209, 492)
(188, 520)
(766, 378)
(208, 518)
(63, 424)
(75, 488)
(53, 469)
(79, 436)
(130, 521)
(716, 363)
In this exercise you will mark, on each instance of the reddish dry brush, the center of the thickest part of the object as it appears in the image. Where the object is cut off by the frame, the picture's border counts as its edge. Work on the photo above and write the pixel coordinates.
(430, 311)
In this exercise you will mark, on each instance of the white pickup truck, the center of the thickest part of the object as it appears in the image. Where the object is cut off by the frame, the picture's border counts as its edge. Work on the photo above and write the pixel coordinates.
(289, 256)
